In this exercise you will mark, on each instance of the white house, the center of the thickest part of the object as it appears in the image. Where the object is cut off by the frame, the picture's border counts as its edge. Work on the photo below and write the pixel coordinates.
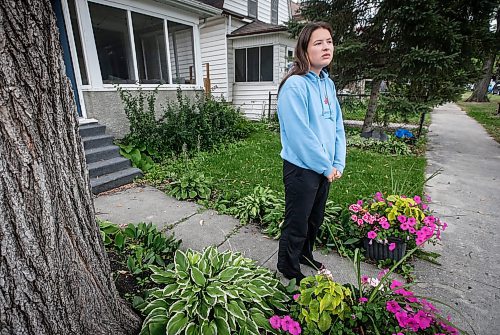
(166, 44)
(247, 49)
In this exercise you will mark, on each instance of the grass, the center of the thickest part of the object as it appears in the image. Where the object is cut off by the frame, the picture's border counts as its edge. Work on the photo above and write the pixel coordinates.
(256, 161)
(484, 113)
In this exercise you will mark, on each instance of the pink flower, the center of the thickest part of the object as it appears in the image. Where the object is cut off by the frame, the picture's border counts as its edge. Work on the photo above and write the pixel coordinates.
(402, 218)
(275, 322)
(424, 206)
(296, 296)
(411, 221)
(417, 199)
(412, 230)
(392, 246)
(372, 235)
(392, 306)
(398, 334)
(360, 202)
(363, 300)
(294, 328)
(354, 217)
(354, 208)
(404, 292)
(419, 241)
(428, 198)
(404, 226)
(424, 321)
(445, 225)
(286, 322)
(379, 197)
(364, 279)
(396, 284)
(366, 217)
(360, 222)
(382, 273)
(385, 225)
(402, 318)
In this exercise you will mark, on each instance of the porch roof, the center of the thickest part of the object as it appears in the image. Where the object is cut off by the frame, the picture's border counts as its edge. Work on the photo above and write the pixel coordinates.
(203, 9)
(257, 27)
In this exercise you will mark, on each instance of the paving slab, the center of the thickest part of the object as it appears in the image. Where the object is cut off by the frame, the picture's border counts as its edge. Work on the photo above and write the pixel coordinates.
(143, 204)
(251, 243)
(204, 229)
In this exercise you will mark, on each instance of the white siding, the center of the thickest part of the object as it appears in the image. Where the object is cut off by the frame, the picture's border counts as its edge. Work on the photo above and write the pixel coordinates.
(213, 51)
(237, 6)
(283, 11)
(264, 10)
(185, 56)
(235, 24)
(253, 98)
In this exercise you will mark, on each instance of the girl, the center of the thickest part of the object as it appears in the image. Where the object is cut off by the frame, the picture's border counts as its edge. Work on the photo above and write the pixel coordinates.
(313, 147)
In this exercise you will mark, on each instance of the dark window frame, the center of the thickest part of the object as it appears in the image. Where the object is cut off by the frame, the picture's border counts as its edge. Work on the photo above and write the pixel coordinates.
(253, 4)
(259, 70)
(274, 11)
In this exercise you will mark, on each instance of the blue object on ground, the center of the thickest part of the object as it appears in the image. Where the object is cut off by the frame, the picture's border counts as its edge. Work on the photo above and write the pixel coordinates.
(403, 133)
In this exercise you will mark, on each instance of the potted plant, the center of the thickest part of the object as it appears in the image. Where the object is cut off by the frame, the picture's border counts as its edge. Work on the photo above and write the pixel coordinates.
(389, 224)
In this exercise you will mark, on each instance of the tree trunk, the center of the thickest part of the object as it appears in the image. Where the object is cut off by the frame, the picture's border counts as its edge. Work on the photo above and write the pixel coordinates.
(54, 271)
(372, 106)
(480, 93)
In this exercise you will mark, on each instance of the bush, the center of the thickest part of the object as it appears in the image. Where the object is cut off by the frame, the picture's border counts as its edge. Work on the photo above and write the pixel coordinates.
(212, 293)
(186, 124)
(390, 147)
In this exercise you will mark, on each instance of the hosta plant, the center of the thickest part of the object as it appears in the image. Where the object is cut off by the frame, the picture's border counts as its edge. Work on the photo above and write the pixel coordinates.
(213, 293)
(192, 185)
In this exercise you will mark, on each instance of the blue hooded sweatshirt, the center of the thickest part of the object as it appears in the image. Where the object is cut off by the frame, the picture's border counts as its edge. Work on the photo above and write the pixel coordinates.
(311, 126)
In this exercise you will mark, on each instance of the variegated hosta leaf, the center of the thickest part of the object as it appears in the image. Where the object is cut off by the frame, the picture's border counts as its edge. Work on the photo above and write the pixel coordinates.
(181, 262)
(177, 323)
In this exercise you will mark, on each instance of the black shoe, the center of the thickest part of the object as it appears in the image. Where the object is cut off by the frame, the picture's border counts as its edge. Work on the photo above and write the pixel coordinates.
(312, 263)
(298, 277)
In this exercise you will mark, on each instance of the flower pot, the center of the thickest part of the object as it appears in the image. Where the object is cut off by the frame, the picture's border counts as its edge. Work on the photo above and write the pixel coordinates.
(379, 251)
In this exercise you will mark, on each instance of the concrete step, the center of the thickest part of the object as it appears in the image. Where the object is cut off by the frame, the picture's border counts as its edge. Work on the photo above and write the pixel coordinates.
(92, 142)
(113, 180)
(102, 153)
(107, 166)
(92, 129)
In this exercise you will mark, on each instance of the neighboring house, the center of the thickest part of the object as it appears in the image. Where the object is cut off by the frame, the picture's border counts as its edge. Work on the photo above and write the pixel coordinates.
(248, 51)
(167, 44)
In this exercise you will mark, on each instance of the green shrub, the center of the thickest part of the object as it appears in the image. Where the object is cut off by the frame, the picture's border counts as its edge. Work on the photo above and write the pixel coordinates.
(191, 185)
(140, 157)
(389, 147)
(141, 245)
(212, 293)
(193, 124)
(255, 206)
(322, 302)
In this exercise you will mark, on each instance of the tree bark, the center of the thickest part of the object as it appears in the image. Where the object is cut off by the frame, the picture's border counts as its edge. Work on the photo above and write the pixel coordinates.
(372, 106)
(54, 272)
(480, 93)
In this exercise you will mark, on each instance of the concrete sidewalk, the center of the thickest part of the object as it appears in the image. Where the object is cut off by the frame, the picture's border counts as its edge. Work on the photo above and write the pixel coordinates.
(199, 228)
(466, 195)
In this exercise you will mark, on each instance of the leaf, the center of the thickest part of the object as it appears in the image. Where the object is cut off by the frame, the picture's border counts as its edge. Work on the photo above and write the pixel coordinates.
(191, 329)
(325, 321)
(177, 323)
(228, 274)
(235, 310)
(197, 276)
(222, 326)
(181, 262)
(351, 241)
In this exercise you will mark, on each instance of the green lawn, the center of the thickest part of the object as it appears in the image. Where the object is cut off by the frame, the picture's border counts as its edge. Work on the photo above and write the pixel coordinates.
(256, 161)
(484, 113)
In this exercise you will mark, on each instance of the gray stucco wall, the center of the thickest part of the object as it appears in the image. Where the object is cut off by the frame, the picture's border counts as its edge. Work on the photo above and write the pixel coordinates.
(107, 108)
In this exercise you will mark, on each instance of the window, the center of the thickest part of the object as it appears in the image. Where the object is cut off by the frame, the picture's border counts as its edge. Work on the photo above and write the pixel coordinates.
(150, 49)
(274, 11)
(180, 39)
(78, 42)
(110, 26)
(252, 8)
(144, 57)
(254, 64)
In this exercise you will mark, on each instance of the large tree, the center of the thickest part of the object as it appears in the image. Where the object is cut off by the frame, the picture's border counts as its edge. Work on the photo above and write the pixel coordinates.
(54, 272)
(489, 47)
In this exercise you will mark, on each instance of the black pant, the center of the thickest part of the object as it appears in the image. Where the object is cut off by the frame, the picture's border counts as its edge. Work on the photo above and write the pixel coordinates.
(306, 193)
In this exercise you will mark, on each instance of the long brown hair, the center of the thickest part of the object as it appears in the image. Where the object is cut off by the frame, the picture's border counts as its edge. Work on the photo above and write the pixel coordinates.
(301, 63)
